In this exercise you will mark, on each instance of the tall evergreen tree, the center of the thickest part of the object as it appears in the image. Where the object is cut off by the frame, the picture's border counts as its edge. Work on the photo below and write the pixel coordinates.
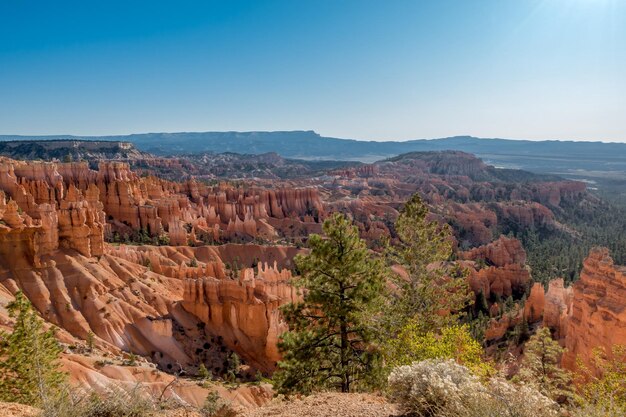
(430, 294)
(29, 368)
(329, 342)
(541, 366)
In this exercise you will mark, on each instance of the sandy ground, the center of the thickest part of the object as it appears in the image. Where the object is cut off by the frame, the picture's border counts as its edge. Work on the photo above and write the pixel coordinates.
(17, 410)
(319, 405)
(329, 405)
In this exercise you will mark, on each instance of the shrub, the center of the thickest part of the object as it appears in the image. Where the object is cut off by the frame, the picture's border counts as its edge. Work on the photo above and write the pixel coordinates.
(114, 402)
(454, 342)
(603, 382)
(204, 373)
(443, 388)
(430, 386)
(215, 406)
(599, 410)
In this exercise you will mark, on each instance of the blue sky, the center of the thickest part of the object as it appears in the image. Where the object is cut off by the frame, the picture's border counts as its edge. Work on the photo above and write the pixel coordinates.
(386, 69)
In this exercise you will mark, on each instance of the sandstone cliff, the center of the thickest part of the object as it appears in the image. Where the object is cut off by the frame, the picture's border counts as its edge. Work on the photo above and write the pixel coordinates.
(588, 315)
(243, 311)
(597, 317)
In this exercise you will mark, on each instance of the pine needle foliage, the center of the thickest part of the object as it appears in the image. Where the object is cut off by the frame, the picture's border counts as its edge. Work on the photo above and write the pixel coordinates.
(329, 344)
(433, 293)
(541, 366)
(29, 367)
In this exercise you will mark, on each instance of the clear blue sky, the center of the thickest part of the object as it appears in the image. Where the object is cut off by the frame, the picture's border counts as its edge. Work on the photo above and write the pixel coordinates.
(384, 69)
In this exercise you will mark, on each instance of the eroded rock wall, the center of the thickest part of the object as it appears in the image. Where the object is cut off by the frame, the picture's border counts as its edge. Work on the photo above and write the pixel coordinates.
(244, 311)
(598, 309)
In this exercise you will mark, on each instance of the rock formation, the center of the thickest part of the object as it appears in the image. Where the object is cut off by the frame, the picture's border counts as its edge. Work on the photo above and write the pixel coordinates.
(588, 315)
(184, 211)
(183, 299)
(53, 219)
(498, 268)
(243, 311)
(598, 314)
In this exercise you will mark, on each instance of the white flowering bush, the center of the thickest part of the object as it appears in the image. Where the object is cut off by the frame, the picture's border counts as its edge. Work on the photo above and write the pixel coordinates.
(517, 400)
(424, 388)
(443, 388)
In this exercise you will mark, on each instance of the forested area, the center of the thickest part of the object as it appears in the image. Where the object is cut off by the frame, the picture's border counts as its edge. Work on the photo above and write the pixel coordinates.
(560, 253)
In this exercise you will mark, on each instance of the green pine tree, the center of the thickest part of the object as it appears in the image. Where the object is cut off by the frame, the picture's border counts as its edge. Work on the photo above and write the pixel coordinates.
(541, 366)
(329, 344)
(434, 296)
(91, 341)
(203, 372)
(29, 367)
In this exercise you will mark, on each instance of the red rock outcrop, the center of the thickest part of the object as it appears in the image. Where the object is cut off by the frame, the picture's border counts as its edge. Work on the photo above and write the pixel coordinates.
(598, 310)
(535, 304)
(499, 253)
(558, 302)
(498, 268)
(188, 211)
(129, 297)
(52, 227)
(588, 315)
(244, 311)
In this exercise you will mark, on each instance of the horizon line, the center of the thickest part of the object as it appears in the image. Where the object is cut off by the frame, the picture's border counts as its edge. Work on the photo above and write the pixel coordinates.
(95, 137)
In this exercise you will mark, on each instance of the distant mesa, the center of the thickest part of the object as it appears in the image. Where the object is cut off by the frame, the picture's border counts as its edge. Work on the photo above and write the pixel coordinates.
(70, 150)
(589, 161)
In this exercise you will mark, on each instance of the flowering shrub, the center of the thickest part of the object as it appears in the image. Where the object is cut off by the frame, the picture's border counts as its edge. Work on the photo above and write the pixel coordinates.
(513, 400)
(428, 386)
(443, 388)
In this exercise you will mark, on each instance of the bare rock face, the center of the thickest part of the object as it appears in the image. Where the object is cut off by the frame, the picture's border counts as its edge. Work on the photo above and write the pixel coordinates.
(186, 212)
(81, 224)
(598, 311)
(535, 304)
(244, 311)
(558, 303)
(499, 253)
(56, 215)
(498, 268)
(190, 210)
